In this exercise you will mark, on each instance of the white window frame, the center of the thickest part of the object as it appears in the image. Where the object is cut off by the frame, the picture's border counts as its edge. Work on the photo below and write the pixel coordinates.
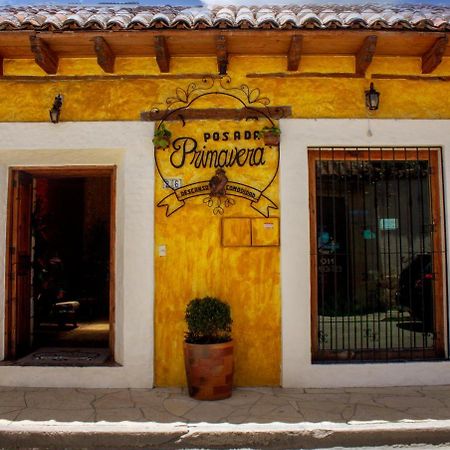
(296, 136)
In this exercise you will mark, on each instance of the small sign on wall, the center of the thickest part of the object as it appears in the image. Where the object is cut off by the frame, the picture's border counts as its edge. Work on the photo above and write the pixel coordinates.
(223, 159)
(388, 224)
(265, 232)
(172, 183)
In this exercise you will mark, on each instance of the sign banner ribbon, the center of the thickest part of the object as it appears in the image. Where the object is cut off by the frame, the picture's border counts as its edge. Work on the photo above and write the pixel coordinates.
(176, 200)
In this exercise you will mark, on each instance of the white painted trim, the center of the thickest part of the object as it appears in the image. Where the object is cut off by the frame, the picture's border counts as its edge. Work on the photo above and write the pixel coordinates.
(297, 135)
(128, 146)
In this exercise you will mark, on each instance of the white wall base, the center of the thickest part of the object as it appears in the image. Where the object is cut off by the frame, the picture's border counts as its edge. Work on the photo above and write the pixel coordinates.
(128, 145)
(77, 377)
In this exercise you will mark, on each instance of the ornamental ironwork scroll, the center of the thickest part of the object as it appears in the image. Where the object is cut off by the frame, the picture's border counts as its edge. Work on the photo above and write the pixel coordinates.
(219, 159)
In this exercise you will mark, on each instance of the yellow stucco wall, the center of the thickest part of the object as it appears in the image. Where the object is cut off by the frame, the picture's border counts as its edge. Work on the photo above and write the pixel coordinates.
(196, 263)
(309, 97)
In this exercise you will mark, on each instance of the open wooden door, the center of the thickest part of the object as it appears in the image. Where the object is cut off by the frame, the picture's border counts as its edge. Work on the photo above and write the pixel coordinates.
(18, 310)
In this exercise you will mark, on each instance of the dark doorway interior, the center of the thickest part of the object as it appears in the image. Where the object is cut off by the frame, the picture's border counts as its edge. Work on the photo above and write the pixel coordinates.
(60, 298)
(70, 262)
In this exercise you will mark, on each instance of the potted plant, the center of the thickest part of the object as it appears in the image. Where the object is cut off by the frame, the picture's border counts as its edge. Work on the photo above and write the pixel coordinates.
(208, 349)
(161, 139)
(271, 135)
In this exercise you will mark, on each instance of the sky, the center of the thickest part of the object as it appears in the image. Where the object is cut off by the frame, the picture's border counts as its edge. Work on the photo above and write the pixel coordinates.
(218, 2)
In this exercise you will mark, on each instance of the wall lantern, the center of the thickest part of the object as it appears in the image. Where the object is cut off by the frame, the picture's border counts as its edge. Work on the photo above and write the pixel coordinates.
(372, 98)
(56, 109)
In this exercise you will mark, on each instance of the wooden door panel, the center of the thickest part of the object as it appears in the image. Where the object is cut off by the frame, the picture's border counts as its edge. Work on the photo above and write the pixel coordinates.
(19, 276)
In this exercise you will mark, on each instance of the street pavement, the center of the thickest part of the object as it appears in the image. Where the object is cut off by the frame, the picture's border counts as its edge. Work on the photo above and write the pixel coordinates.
(252, 418)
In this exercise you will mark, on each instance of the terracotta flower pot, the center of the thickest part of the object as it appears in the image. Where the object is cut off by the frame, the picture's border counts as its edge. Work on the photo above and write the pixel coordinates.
(271, 139)
(209, 370)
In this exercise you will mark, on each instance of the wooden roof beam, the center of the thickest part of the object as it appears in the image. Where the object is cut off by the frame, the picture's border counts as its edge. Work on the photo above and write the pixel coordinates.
(294, 52)
(105, 56)
(364, 56)
(222, 54)
(433, 57)
(162, 54)
(43, 55)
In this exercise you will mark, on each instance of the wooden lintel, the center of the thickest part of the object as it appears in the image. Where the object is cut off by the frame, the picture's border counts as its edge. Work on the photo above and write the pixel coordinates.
(107, 78)
(43, 55)
(274, 112)
(1, 66)
(378, 76)
(162, 54)
(433, 57)
(303, 75)
(382, 76)
(364, 56)
(222, 54)
(294, 53)
(105, 56)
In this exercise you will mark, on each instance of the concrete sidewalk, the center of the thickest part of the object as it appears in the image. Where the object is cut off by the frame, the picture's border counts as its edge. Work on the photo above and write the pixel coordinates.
(251, 418)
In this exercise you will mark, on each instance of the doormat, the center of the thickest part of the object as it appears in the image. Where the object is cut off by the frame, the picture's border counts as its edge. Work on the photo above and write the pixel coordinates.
(65, 357)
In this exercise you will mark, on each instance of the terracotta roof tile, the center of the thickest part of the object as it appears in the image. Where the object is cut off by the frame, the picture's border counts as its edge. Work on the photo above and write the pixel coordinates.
(292, 16)
(142, 18)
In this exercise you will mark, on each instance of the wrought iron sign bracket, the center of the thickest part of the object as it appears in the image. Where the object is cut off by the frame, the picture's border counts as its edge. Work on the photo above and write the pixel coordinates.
(275, 112)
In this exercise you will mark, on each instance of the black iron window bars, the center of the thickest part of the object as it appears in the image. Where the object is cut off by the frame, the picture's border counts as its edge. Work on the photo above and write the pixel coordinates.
(377, 254)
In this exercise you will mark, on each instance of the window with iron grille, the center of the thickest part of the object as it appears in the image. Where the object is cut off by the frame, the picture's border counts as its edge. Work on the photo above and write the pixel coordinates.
(377, 254)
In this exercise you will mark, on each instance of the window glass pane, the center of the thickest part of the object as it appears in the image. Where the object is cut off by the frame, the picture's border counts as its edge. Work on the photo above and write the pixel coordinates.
(374, 258)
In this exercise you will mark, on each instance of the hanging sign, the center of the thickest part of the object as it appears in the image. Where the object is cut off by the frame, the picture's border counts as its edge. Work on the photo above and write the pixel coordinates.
(220, 160)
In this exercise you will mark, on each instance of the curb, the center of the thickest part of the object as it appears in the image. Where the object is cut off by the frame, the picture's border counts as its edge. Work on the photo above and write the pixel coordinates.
(202, 435)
